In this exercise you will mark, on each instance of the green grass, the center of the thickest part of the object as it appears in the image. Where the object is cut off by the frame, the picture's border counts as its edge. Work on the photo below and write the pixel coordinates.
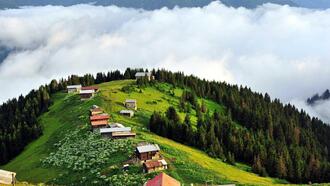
(67, 113)
(186, 164)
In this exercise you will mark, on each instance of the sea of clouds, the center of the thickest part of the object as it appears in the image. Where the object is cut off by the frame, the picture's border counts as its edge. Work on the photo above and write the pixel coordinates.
(281, 50)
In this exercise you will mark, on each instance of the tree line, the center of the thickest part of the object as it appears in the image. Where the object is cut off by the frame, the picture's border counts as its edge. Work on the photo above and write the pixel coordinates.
(276, 139)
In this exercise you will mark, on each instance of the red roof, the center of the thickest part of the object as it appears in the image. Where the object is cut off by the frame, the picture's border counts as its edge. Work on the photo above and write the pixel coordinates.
(99, 117)
(99, 123)
(163, 179)
(90, 88)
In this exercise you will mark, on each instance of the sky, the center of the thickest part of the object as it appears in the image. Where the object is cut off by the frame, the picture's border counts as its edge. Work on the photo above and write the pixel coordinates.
(276, 49)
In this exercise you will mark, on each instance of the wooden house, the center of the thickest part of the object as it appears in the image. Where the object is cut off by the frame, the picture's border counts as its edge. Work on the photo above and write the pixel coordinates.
(95, 110)
(162, 179)
(99, 124)
(99, 121)
(117, 132)
(95, 88)
(123, 135)
(148, 152)
(73, 88)
(131, 104)
(7, 177)
(128, 113)
(154, 165)
(86, 94)
(147, 75)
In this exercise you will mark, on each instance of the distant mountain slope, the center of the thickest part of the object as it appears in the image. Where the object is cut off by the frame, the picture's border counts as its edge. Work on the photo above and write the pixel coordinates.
(145, 4)
(325, 96)
(322, 4)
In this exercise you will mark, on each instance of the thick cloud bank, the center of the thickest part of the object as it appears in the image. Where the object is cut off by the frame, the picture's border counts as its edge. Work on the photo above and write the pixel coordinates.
(275, 49)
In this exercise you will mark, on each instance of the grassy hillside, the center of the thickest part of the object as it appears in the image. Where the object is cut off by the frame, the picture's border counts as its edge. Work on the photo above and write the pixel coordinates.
(69, 114)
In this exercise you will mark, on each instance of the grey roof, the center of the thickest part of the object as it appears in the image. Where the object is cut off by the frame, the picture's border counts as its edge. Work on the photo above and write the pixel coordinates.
(142, 74)
(73, 86)
(116, 129)
(130, 101)
(126, 112)
(148, 148)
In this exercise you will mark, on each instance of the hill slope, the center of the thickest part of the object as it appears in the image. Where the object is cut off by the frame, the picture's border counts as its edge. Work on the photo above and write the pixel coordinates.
(68, 114)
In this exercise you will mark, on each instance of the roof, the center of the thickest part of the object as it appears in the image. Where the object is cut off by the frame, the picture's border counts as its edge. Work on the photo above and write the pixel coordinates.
(86, 91)
(116, 125)
(90, 88)
(96, 110)
(152, 164)
(6, 177)
(130, 101)
(163, 179)
(142, 74)
(163, 162)
(148, 148)
(6, 173)
(117, 134)
(111, 130)
(99, 122)
(126, 112)
(99, 117)
(73, 86)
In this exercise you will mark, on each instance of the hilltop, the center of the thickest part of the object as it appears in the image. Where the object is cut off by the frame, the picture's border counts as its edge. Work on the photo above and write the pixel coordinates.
(214, 126)
(70, 115)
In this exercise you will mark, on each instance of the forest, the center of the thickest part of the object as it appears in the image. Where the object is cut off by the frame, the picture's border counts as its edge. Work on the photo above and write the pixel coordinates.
(276, 139)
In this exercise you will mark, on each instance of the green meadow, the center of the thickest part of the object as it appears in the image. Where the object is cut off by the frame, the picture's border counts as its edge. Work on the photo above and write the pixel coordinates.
(186, 164)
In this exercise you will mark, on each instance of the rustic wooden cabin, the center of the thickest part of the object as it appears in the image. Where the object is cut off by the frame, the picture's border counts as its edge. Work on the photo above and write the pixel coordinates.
(95, 110)
(73, 88)
(99, 121)
(147, 75)
(128, 113)
(95, 88)
(116, 132)
(123, 135)
(162, 179)
(131, 104)
(148, 152)
(86, 94)
(7, 177)
(99, 124)
(154, 165)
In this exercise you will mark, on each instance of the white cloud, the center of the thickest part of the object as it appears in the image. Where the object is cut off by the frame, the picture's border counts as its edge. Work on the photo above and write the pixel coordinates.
(275, 49)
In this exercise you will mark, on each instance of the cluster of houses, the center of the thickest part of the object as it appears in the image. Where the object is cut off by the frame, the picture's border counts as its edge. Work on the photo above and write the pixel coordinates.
(84, 92)
(100, 122)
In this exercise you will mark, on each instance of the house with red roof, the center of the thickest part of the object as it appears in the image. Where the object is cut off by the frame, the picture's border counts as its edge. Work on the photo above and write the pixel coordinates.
(154, 165)
(99, 121)
(95, 88)
(162, 179)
